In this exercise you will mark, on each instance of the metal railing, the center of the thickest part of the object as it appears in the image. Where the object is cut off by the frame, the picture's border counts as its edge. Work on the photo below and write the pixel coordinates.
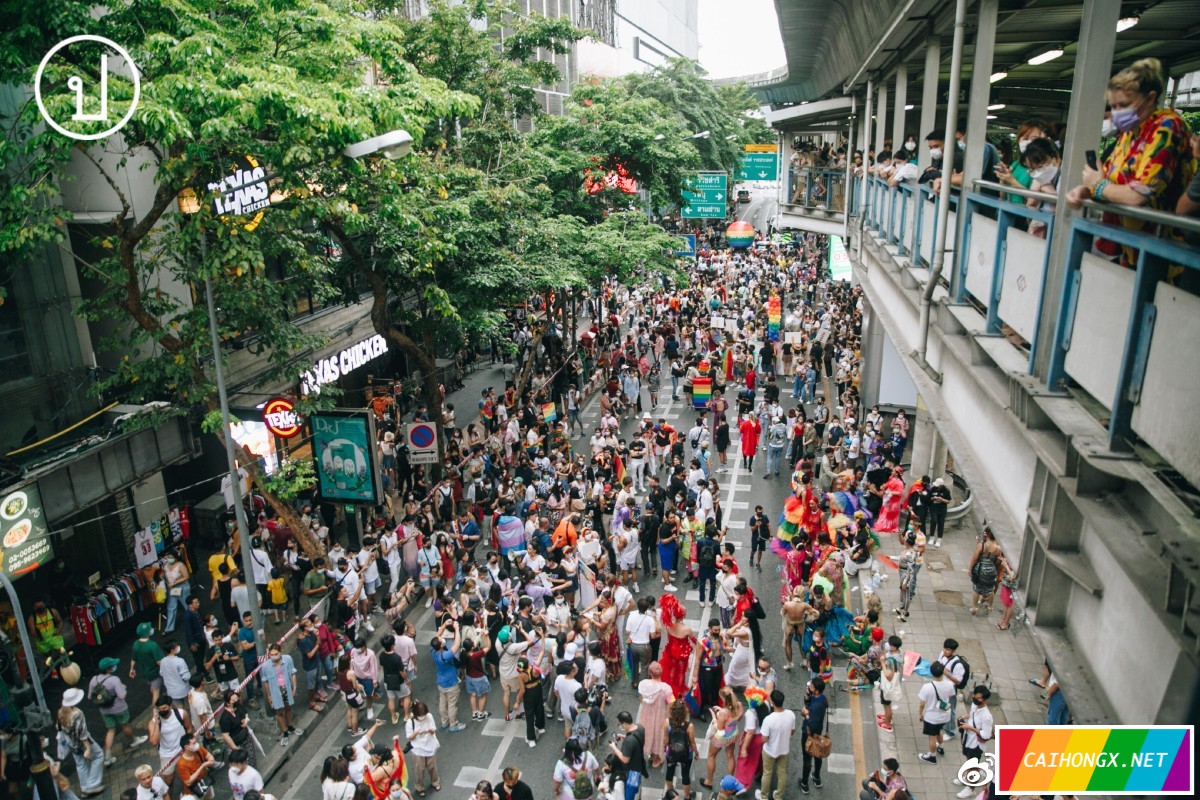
(819, 189)
(1158, 262)
(1010, 219)
(899, 214)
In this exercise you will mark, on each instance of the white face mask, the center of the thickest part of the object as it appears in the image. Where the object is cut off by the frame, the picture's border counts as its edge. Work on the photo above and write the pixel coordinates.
(1107, 128)
(910, 146)
(935, 153)
(1021, 145)
(1044, 174)
(962, 145)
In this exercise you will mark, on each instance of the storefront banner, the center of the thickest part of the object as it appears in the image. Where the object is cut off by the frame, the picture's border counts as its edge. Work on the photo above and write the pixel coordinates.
(26, 541)
(344, 448)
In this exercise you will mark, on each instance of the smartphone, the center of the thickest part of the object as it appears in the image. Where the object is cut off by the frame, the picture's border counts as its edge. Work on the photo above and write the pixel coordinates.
(1090, 155)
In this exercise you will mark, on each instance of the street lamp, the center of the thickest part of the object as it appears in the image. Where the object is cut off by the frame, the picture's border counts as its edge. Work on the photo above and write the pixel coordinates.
(391, 145)
(702, 135)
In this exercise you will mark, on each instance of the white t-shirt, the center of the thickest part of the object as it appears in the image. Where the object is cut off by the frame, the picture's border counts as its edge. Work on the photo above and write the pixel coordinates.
(157, 791)
(247, 780)
(777, 730)
(565, 776)
(598, 672)
(371, 573)
(261, 566)
(639, 626)
(933, 692)
(565, 688)
(980, 717)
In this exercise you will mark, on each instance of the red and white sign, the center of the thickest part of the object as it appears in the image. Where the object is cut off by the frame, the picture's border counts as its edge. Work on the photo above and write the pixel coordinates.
(280, 417)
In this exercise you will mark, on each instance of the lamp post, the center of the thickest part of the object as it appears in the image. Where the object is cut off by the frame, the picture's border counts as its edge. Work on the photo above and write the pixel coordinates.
(391, 145)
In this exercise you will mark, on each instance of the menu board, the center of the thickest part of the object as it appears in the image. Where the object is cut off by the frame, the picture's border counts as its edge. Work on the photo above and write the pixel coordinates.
(23, 535)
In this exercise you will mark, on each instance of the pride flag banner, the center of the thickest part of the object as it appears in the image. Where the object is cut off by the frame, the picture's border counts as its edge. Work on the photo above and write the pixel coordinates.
(549, 412)
(774, 317)
(701, 392)
(509, 535)
(1095, 759)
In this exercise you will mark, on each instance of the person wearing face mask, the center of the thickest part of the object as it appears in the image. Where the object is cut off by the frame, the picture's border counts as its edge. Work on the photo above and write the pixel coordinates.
(278, 676)
(243, 778)
(1042, 160)
(884, 783)
(1016, 175)
(179, 589)
(193, 767)
(975, 728)
(166, 728)
(1150, 165)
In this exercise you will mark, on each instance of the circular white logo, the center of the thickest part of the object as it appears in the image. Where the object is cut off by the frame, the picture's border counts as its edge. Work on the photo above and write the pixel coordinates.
(976, 773)
(75, 83)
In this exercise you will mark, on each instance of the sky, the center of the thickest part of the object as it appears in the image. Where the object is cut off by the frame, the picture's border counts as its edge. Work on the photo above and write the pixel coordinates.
(739, 38)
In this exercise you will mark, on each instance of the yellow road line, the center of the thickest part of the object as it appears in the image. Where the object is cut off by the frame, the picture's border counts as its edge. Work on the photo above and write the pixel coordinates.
(856, 731)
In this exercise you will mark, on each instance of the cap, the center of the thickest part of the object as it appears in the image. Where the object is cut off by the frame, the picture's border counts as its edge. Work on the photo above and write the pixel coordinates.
(72, 697)
(145, 629)
(939, 482)
(731, 784)
(108, 663)
(504, 635)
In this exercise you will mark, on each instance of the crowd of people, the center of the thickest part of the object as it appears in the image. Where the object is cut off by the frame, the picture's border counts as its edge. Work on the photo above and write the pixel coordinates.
(551, 556)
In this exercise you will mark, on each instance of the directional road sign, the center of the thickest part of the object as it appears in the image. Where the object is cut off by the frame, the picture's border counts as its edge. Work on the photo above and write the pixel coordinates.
(706, 196)
(759, 167)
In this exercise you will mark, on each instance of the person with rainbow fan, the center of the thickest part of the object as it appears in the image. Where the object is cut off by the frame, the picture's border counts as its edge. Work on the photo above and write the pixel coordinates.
(749, 752)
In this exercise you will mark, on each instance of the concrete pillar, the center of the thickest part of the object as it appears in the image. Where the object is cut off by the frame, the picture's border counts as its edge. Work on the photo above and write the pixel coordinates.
(981, 90)
(901, 101)
(1093, 66)
(937, 465)
(929, 100)
(922, 434)
(881, 105)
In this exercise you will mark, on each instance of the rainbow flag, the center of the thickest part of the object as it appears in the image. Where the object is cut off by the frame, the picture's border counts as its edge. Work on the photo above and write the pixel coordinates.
(1094, 759)
(549, 412)
(701, 392)
(619, 469)
(774, 317)
(728, 364)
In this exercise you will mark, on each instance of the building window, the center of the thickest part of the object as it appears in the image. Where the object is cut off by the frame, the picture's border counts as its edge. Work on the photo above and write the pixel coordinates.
(14, 348)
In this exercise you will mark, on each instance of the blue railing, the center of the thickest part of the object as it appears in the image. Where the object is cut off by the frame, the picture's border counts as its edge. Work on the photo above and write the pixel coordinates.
(899, 212)
(1157, 262)
(1007, 216)
(817, 188)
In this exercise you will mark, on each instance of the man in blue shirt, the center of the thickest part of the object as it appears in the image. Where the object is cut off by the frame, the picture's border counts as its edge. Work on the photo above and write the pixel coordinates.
(815, 706)
(447, 675)
(246, 640)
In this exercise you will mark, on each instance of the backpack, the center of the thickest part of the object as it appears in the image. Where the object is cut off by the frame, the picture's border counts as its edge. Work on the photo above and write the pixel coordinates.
(985, 572)
(966, 672)
(707, 553)
(583, 732)
(101, 695)
(677, 744)
(582, 788)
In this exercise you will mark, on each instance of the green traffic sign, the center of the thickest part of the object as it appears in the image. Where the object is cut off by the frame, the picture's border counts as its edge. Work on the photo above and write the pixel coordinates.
(759, 167)
(705, 196)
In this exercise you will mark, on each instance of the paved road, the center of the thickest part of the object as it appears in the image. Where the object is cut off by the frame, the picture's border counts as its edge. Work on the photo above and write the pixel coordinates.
(762, 208)
(484, 749)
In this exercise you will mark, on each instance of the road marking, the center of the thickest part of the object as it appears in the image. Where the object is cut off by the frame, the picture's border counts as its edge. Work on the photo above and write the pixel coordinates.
(856, 736)
(841, 764)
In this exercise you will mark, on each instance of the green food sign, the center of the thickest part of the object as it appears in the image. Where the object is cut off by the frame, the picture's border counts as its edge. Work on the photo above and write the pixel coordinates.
(344, 447)
(23, 533)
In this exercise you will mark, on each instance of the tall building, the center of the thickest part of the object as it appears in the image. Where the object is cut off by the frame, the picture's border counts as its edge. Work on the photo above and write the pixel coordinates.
(635, 35)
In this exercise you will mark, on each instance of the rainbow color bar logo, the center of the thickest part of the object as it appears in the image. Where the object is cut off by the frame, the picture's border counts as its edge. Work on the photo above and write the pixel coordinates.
(1094, 759)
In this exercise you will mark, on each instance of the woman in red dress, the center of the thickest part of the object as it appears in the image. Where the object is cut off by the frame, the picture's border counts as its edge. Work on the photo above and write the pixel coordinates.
(676, 656)
(893, 499)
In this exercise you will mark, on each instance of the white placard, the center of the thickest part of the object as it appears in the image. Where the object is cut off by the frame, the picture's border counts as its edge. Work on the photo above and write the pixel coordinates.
(717, 321)
(731, 325)
(792, 338)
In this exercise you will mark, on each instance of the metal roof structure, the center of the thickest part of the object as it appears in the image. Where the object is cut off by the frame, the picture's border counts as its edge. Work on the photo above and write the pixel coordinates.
(833, 47)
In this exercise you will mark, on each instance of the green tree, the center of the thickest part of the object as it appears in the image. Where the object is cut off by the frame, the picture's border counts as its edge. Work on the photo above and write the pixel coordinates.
(282, 82)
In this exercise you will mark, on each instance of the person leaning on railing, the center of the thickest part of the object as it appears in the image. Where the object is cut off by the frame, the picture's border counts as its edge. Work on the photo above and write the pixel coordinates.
(1151, 164)
(1042, 161)
(1015, 174)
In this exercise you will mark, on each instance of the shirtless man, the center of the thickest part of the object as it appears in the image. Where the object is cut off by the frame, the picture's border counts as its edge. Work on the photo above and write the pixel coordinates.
(796, 613)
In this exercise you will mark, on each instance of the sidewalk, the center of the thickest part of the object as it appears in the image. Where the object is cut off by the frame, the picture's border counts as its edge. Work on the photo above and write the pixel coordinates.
(1002, 660)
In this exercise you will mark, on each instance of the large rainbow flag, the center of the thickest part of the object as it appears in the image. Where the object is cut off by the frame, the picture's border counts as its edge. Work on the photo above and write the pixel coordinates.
(701, 392)
(549, 412)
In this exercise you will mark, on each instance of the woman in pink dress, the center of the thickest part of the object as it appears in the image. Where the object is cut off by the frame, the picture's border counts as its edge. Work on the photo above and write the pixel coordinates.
(656, 698)
(893, 499)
